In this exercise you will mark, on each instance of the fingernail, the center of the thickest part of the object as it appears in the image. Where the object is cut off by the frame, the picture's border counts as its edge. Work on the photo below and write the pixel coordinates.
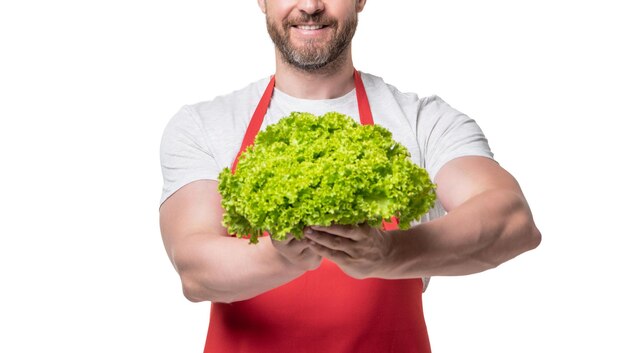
(308, 231)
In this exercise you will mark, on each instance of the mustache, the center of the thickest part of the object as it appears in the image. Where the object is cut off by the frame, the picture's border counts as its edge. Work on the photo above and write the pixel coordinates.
(316, 18)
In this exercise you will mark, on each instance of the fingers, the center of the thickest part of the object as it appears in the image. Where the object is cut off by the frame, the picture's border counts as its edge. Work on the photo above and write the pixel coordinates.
(336, 256)
(353, 232)
(308, 252)
(333, 247)
(290, 243)
(297, 252)
(329, 240)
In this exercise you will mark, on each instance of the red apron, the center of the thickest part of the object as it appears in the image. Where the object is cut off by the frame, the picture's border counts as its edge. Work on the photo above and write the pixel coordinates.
(322, 311)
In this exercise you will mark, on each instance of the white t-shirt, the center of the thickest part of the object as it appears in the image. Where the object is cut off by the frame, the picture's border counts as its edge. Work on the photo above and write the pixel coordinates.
(204, 138)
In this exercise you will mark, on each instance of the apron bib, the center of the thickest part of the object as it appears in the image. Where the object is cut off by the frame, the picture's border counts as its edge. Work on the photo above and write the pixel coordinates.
(325, 310)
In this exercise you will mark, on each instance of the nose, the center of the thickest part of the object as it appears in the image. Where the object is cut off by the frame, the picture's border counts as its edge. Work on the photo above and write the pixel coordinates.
(311, 7)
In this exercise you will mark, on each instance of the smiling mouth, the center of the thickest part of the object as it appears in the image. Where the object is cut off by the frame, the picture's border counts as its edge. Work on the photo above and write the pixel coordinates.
(309, 27)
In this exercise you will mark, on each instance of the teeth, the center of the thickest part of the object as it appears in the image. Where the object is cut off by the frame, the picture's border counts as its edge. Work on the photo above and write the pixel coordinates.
(309, 28)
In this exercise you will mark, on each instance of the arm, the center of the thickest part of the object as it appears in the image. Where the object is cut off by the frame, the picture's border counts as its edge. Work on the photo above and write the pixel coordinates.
(488, 223)
(215, 266)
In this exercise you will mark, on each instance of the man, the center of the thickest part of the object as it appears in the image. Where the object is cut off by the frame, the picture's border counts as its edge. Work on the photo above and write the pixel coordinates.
(342, 288)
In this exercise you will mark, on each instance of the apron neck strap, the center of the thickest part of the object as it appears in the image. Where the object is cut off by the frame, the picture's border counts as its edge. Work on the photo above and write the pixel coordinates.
(365, 113)
(256, 121)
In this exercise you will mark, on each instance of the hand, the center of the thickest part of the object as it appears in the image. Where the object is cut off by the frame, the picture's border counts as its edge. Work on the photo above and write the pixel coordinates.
(298, 253)
(360, 251)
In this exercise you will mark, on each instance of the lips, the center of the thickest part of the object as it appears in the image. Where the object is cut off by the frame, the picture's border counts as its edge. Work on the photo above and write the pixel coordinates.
(309, 27)
(306, 22)
(309, 30)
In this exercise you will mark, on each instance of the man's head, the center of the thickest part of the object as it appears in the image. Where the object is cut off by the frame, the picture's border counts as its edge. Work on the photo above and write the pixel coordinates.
(312, 35)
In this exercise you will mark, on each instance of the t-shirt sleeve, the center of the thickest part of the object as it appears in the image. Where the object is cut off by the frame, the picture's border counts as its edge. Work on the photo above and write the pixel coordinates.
(447, 134)
(185, 153)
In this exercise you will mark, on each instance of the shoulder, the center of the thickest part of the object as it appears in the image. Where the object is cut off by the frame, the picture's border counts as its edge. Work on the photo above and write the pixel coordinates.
(434, 104)
(236, 105)
(212, 125)
(387, 100)
(436, 117)
(379, 86)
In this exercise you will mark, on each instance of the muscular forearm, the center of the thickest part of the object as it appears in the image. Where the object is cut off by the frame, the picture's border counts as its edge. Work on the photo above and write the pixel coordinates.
(480, 234)
(228, 269)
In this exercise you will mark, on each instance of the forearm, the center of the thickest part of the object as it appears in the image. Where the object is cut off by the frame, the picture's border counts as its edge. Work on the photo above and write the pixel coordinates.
(480, 234)
(228, 269)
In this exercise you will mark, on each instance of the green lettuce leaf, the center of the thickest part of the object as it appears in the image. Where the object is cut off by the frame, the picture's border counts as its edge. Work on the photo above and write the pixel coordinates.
(308, 170)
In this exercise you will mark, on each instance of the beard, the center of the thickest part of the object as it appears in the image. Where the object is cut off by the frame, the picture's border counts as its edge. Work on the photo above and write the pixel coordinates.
(313, 56)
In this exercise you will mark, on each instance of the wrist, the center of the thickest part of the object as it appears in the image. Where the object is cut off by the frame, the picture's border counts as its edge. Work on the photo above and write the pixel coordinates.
(405, 255)
(388, 263)
(383, 266)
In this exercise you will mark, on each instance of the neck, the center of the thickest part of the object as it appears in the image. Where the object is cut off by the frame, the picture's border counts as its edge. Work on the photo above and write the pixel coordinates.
(327, 83)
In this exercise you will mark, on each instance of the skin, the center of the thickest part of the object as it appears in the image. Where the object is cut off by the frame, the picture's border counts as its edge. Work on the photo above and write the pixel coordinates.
(488, 221)
(328, 83)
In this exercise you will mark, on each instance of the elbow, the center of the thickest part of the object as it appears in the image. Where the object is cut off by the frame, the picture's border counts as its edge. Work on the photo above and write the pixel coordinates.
(521, 232)
(528, 235)
(196, 291)
(533, 237)
(523, 225)
(192, 290)
(192, 296)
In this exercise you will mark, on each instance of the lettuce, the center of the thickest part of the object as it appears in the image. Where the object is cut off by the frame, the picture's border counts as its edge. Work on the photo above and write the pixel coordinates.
(309, 170)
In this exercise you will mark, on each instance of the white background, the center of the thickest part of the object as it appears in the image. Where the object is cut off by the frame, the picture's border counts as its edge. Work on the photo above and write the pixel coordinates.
(87, 87)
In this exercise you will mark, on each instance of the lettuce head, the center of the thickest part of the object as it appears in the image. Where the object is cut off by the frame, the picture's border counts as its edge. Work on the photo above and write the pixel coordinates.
(322, 170)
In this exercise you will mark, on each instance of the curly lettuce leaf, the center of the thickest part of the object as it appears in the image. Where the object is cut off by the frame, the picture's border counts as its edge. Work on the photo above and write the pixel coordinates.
(309, 170)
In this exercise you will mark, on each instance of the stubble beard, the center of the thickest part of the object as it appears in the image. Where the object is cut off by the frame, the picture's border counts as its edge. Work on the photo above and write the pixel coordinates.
(314, 57)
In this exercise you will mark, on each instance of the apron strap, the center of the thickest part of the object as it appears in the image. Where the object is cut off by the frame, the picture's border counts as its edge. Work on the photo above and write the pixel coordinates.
(256, 121)
(365, 113)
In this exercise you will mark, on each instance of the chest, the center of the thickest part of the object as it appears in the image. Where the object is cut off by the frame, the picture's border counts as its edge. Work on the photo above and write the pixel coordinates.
(227, 138)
